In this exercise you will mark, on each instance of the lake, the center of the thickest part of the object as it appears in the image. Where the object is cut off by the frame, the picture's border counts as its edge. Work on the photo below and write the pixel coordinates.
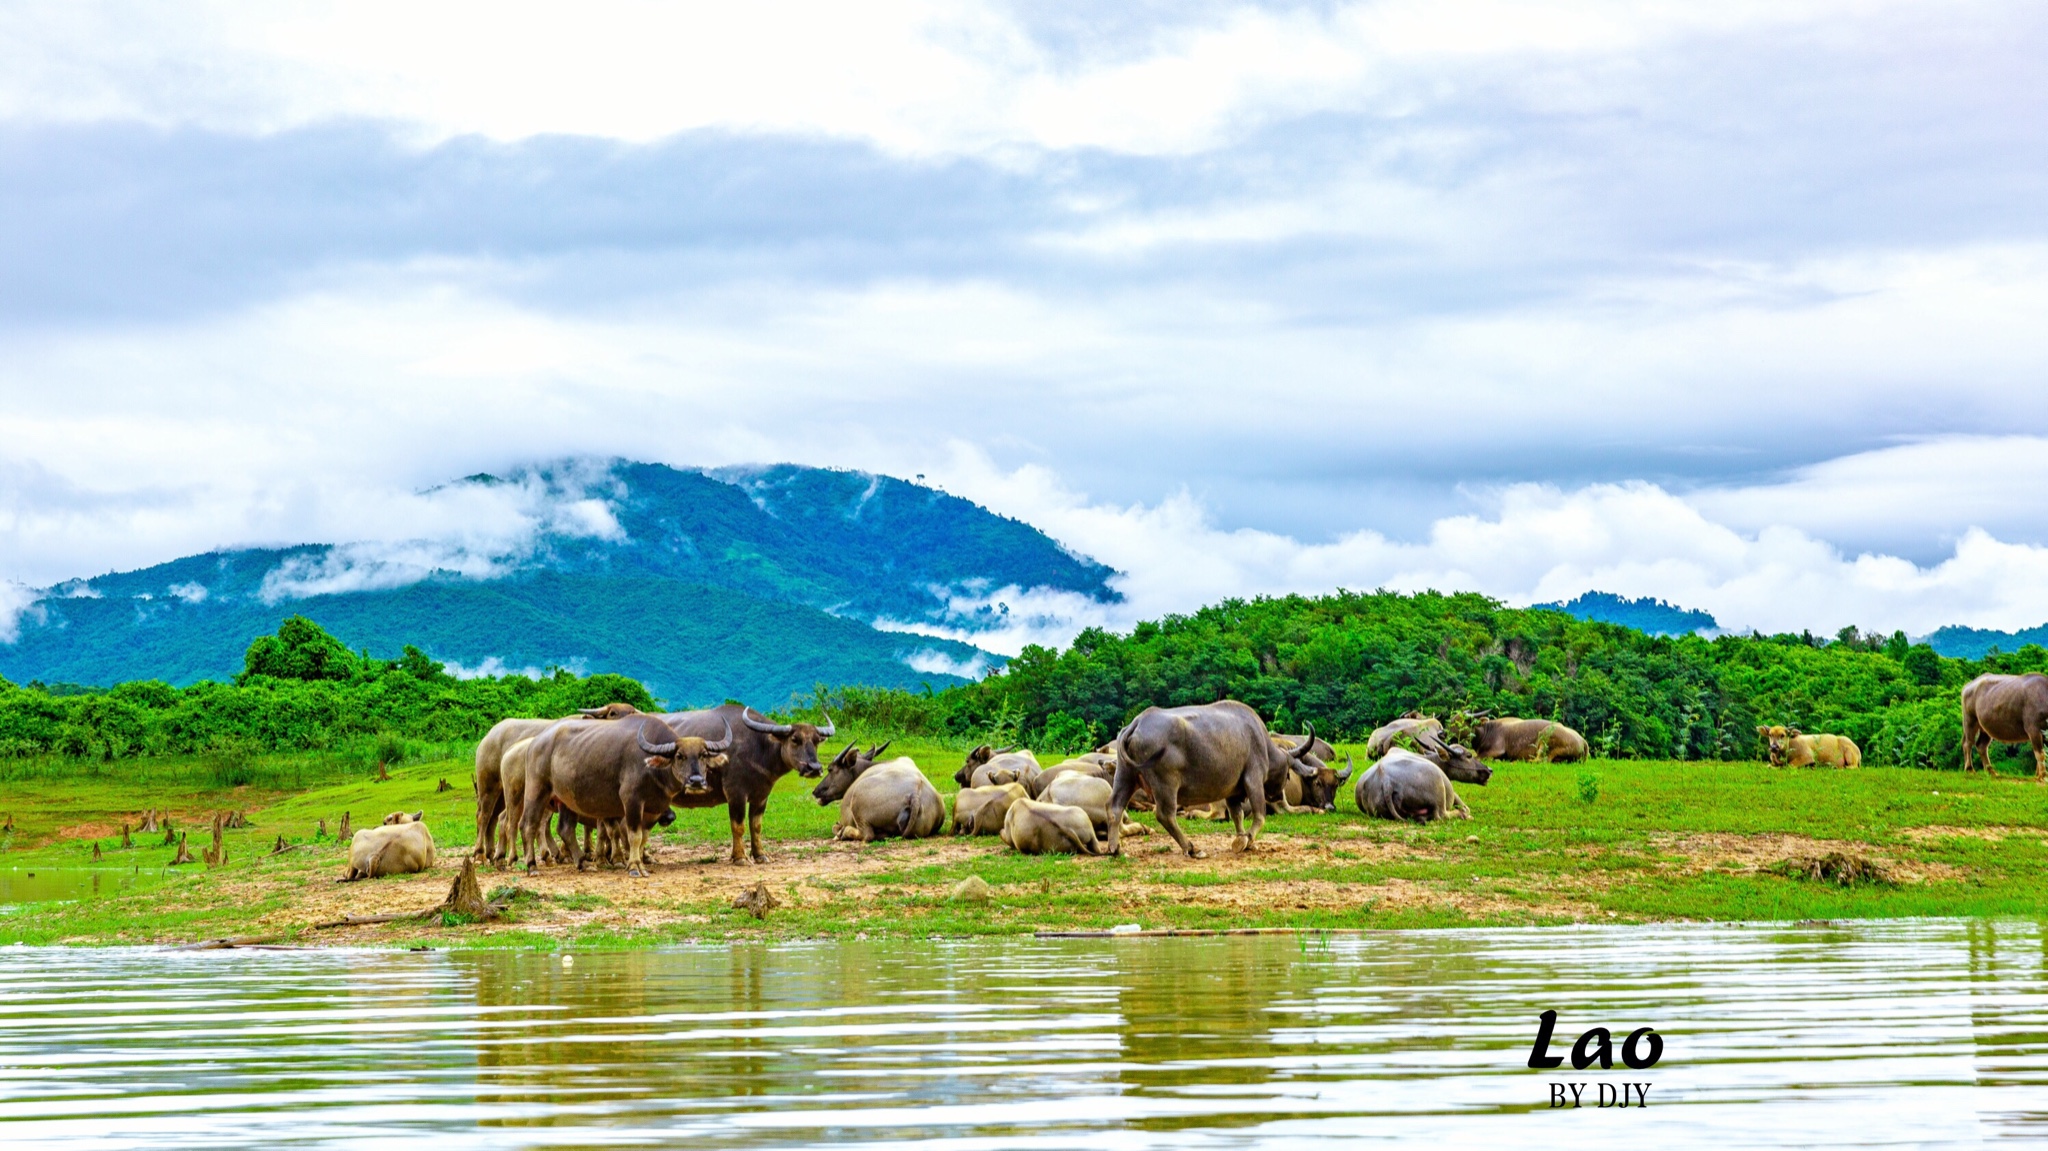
(1921, 1033)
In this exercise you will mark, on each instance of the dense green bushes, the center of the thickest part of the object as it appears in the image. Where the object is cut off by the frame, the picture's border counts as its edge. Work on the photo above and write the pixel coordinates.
(1349, 662)
(1346, 662)
(300, 689)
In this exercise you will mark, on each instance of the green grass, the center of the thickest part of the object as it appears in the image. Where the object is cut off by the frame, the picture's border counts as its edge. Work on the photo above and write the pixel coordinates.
(1657, 841)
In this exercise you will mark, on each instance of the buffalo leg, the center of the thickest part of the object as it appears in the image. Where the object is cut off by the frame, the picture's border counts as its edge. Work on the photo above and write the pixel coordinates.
(1235, 809)
(488, 806)
(754, 830)
(2040, 757)
(533, 828)
(736, 813)
(1166, 806)
(1123, 786)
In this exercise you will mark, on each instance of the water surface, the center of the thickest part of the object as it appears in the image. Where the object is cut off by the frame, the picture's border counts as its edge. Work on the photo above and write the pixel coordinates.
(1923, 1033)
(46, 884)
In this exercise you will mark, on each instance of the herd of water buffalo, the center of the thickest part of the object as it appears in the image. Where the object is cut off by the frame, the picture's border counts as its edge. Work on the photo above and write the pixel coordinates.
(591, 786)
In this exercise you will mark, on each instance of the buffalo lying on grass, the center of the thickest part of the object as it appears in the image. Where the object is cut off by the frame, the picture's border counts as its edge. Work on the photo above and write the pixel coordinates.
(1404, 785)
(1092, 796)
(401, 845)
(1036, 828)
(880, 800)
(1528, 741)
(981, 810)
(1788, 748)
(1413, 724)
(986, 765)
(1197, 755)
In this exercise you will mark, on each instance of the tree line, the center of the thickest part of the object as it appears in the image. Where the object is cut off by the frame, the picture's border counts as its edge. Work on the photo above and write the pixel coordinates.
(1346, 662)
(299, 689)
(1351, 661)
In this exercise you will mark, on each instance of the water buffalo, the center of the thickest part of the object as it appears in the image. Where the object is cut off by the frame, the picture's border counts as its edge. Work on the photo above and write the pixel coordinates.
(490, 795)
(629, 769)
(1788, 748)
(879, 800)
(1454, 759)
(1092, 796)
(399, 846)
(985, 766)
(1036, 828)
(1198, 754)
(1413, 724)
(1083, 767)
(1528, 741)
(980, 810)
(2009, 709)
(761, 753)
(1404, 785)
(1313, 790)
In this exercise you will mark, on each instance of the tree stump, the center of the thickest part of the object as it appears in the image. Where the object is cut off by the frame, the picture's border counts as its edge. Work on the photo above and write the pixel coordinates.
(149, 821)
(218, 853)
(95, 851)
(757, 901)
(321, 832)
(465, 897)
(125, 841)
(170, 836)
(9, 825)
(382, 775)
(344, 834)
(184, 855)
(281, 847)
(237, 820)
(444, 785)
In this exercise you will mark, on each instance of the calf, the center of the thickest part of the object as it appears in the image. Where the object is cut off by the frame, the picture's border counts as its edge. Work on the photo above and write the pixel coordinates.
(1788, 748)
(981, 810)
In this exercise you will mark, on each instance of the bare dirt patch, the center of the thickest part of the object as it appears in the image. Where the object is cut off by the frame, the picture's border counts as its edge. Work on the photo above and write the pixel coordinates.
(1988, 834)
(1774, 852)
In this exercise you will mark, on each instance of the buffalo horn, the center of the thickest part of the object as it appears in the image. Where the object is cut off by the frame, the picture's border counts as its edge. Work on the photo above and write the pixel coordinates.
(722, 744)
(661, 749)
(826, 729)
(876, 752)
(1308, 743)
(1345, 775)
(747, 717)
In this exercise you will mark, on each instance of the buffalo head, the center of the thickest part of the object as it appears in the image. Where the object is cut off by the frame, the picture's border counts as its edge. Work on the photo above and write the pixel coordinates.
(1455, 760)
(397, 817)
(797, 743)
(689, 757)
(976, 758)
(608, 711)
(846, 767)
(1779, 741)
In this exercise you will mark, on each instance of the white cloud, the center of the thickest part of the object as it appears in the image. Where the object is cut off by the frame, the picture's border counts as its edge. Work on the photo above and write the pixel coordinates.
(932, 661)
(492, 666)
(15, 598)
(1536, 544)
(915, 76)
(189, 592)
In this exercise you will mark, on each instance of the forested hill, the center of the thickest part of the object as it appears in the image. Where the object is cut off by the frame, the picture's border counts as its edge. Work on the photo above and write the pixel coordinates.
(1974, 642)
(1349, 662)
(747, 583)
(1653, 616)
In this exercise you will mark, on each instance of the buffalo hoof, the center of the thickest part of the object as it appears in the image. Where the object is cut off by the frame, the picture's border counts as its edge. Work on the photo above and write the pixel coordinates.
(1198, 853)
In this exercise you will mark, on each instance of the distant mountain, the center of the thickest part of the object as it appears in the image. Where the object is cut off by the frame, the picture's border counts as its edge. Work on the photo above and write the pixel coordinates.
(1974, 643)
(1652, 616)
(747, 583)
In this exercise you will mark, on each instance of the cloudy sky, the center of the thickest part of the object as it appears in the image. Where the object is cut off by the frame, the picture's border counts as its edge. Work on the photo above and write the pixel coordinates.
(1740, 304)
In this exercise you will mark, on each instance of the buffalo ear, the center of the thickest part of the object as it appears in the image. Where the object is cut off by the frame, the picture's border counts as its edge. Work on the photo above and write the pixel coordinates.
(1792, 732)
(419, 816)
(1762, 730)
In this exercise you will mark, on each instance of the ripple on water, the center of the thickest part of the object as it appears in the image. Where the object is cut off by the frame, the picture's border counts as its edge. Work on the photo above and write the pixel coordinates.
(1931, 1032)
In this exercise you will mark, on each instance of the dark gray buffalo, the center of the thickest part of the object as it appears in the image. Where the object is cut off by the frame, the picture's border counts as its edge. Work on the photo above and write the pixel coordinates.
(1454, 759)
(2009, 709)
(1413, 725)
(762, 752)
(1189, 755)
(629, 769)
(1403, 785)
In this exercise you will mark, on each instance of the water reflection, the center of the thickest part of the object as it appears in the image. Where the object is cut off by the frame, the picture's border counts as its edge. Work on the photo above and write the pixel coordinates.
(46, 884)
(1929, 1032)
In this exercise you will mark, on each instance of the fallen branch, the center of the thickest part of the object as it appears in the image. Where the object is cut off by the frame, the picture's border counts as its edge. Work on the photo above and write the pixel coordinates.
(1162, 932)
(226, 944)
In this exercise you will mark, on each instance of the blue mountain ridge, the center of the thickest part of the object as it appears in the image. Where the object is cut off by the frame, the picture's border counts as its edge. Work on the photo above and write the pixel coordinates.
(1975, 643)
(749, 583)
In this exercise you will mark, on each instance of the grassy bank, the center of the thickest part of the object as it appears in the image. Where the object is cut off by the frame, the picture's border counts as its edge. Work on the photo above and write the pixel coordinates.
(1610, 841)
